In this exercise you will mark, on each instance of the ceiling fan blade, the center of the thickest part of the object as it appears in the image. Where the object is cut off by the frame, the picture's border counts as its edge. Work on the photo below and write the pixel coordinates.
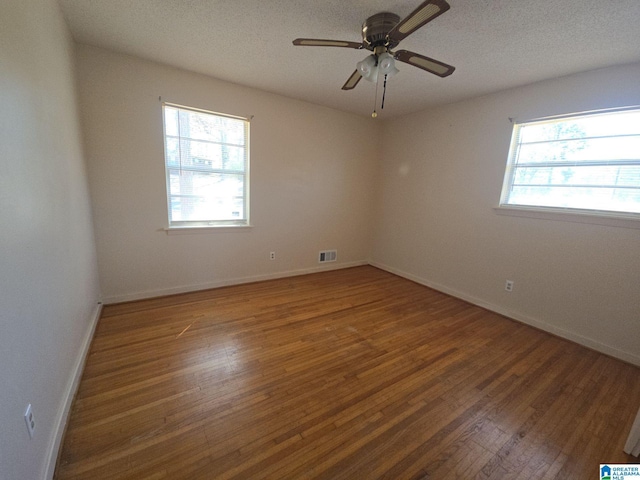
(425, 63)
(315, 42)
(353, 81)
(419, 17)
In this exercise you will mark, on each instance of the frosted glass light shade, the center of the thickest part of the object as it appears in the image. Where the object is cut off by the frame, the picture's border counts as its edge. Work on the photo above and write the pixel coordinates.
(368, 68)
(387, 64)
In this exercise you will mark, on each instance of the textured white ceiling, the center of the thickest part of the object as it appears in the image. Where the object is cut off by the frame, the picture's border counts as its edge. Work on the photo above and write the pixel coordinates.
(494, 44)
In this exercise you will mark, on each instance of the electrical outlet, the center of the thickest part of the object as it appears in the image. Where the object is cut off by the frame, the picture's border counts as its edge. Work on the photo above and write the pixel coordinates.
(272, 256)
(30, 420)
(509, 286)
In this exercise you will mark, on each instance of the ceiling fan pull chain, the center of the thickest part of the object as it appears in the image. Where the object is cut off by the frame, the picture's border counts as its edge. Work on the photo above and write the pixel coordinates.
(375, 100)
(384, 91)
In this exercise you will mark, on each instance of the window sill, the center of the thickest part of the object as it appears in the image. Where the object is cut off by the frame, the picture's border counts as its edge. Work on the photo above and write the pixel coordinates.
(205, 229)
(575, 216)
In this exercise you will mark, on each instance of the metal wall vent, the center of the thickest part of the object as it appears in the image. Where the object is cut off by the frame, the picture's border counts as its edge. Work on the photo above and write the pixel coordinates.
(327, 256)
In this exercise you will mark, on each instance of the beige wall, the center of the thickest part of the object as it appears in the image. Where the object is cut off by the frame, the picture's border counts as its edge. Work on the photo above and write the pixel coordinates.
(312, 173)
(441, 173)
(48, 273)
(421, 203)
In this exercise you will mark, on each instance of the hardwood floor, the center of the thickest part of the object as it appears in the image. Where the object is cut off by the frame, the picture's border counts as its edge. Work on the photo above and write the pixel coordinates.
(353, 374)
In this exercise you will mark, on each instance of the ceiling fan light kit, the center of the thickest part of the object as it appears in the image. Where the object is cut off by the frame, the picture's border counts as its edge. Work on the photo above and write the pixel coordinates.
(368, 68)
(381, 33)
(387, 64)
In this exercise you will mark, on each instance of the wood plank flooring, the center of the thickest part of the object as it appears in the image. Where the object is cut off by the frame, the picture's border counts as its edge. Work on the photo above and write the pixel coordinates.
(350, 374)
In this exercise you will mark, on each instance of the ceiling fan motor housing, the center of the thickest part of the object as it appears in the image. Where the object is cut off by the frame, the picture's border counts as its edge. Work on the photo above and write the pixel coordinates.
(376, 28)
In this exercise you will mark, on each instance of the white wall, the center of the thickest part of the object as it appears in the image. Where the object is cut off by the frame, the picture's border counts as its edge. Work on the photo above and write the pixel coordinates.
(312, 173)
(48, 272)
(425, 209)
(441, 176)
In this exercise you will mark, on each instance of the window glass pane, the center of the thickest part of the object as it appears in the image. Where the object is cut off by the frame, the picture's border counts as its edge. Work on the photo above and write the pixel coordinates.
(613, 176)
(581, 150)
(589, 161)
(212, 156)
(197, 196)
(597, 125)
(187, 182)
(172, 152)
(609, 199)
(212, 128)
(171, 121)
(610, 124)
(206, 161)
(545, 132)
(197, 209)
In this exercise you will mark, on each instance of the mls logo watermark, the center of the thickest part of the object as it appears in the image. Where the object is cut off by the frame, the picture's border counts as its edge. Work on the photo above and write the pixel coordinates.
(619, 472)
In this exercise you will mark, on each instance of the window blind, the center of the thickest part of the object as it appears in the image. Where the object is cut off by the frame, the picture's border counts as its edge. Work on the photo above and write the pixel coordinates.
(207, 166)
(584, 162)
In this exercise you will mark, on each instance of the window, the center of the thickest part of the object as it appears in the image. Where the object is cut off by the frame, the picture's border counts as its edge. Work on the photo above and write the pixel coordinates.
(587, 162)
(207, 167)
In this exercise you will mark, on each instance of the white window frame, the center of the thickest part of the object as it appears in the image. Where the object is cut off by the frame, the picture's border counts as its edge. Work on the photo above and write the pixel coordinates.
(212, 223)
(611, 217)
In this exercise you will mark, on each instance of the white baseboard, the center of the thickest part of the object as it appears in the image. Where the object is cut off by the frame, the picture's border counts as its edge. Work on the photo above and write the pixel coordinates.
(72, 388)
(632, 447)
(227, 282)
(547, 327)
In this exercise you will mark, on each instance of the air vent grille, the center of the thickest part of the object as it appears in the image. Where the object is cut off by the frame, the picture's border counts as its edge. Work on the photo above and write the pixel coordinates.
(327, 256)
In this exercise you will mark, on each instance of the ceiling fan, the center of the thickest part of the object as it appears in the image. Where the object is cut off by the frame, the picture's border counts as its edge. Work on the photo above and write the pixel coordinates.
(383, 32)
